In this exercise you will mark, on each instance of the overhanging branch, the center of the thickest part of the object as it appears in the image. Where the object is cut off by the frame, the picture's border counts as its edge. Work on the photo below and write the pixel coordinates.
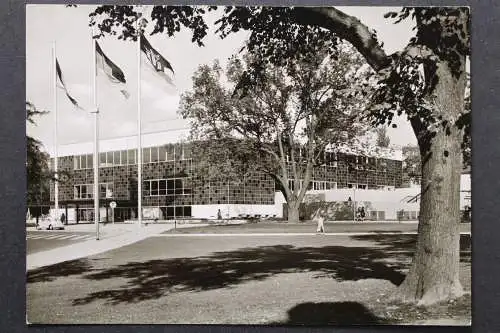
(346, 27)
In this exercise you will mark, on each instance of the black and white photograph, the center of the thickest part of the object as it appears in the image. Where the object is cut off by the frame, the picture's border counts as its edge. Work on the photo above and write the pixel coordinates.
(248, 165)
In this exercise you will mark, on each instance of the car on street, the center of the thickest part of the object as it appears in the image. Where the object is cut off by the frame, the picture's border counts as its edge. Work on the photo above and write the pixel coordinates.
(49, 223)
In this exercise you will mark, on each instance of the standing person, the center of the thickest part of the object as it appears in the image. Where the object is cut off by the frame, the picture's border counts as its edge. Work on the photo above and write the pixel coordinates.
(319, 216)
(219, 215)
(63, 218)
(362, 213)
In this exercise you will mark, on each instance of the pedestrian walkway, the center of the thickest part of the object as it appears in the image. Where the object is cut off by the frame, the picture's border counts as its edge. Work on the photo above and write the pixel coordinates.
(60, 236)
(112, 236)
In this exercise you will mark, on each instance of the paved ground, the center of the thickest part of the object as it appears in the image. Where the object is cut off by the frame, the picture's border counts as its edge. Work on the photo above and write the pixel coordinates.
(38, 241)
(111, 236)
(315, 279)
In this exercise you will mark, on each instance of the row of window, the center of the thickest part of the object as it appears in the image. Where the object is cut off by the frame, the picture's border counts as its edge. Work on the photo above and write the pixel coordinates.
(331, 159)
(167, 213)
(171, 186)
(129, 157)
(86, 191)
(313, 185)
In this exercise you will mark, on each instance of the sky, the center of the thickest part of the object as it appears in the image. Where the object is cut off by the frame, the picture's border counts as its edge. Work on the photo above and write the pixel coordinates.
(67, 29)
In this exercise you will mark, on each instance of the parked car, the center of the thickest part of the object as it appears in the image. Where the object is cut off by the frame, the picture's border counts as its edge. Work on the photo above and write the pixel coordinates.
(49, 223)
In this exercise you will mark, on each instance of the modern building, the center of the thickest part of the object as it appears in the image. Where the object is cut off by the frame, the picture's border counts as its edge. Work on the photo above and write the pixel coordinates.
(174, 188)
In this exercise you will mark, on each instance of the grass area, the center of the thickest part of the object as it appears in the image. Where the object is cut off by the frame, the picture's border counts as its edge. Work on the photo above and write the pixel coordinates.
(277, 280)
(302, 227)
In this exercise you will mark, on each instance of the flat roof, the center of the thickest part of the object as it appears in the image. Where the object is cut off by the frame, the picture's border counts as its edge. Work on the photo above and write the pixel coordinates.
(159, 138)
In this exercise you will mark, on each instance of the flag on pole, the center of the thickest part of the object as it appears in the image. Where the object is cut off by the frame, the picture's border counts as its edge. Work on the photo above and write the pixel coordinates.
(112, 71)
(61, 84)
(155, 61)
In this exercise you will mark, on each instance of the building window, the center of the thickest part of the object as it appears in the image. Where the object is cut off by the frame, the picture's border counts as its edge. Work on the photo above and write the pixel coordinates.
(109, 158)
(171, 212)
(86, 191)
(123, 154)
(186, 152)
(162, 154)
(131, 156)
(171, 186)
(170, 153)
(106, 190)
(331, 185)
(83, 191)
(154, 154)
(116, 158)
(83, 162)
(146, 158)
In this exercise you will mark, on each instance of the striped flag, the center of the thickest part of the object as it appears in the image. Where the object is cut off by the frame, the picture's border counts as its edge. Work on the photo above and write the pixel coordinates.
(112, 71)
(155, 61)
(61, 84)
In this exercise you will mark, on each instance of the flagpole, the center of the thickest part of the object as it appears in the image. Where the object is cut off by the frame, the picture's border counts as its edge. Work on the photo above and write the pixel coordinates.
(56, 175)
(96, 139)
(139, 133)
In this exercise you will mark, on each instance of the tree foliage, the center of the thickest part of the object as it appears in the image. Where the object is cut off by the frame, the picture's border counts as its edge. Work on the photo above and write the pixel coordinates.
(426, 81)
(282, 122)
(383, 139)
(37, 162)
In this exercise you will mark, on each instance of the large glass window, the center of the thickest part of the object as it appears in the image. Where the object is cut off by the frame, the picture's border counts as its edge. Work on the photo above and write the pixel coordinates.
(162, 187)
(123, 154)
(154, 187)
(116, 158)
(170, 186)
(90, 161)
(105, 190)
(179, 186)
(162, 153)
(109, 158)
(86, 191)
(176, 211)
(178, 153)
(131, 156)
(83, 191)
(186, 152)
(174, 186)
(154, 154)
(146, 188)
(102, 159)
(170, 153)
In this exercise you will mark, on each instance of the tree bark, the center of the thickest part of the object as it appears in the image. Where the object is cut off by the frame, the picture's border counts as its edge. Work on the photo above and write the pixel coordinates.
(293, 211)
(434, 273)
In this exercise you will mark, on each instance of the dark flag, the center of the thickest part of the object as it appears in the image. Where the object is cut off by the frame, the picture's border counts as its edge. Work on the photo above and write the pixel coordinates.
(155, 61)
(112, 71)
(62, 85)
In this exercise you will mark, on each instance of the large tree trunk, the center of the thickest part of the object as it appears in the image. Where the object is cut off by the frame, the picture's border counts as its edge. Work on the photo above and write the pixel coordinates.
(434, 273)
(293, 211)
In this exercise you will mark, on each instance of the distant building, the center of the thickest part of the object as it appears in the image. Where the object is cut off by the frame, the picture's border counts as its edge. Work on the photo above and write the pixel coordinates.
(172, 187)
(412, 175)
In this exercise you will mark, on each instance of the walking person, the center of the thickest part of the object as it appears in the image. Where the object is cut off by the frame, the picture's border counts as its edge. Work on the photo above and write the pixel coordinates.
(63, 218)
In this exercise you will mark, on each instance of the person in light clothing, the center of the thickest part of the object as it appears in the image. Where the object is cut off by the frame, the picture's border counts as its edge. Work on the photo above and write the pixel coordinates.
(320, 216)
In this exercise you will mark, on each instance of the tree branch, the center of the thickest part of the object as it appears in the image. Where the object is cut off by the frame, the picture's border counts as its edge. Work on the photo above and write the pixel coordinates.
(345, 27)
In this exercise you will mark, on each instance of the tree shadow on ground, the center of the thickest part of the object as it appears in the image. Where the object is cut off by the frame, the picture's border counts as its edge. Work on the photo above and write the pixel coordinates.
(405, 245)
(67, 268)
(155, 278)
(331, 313)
